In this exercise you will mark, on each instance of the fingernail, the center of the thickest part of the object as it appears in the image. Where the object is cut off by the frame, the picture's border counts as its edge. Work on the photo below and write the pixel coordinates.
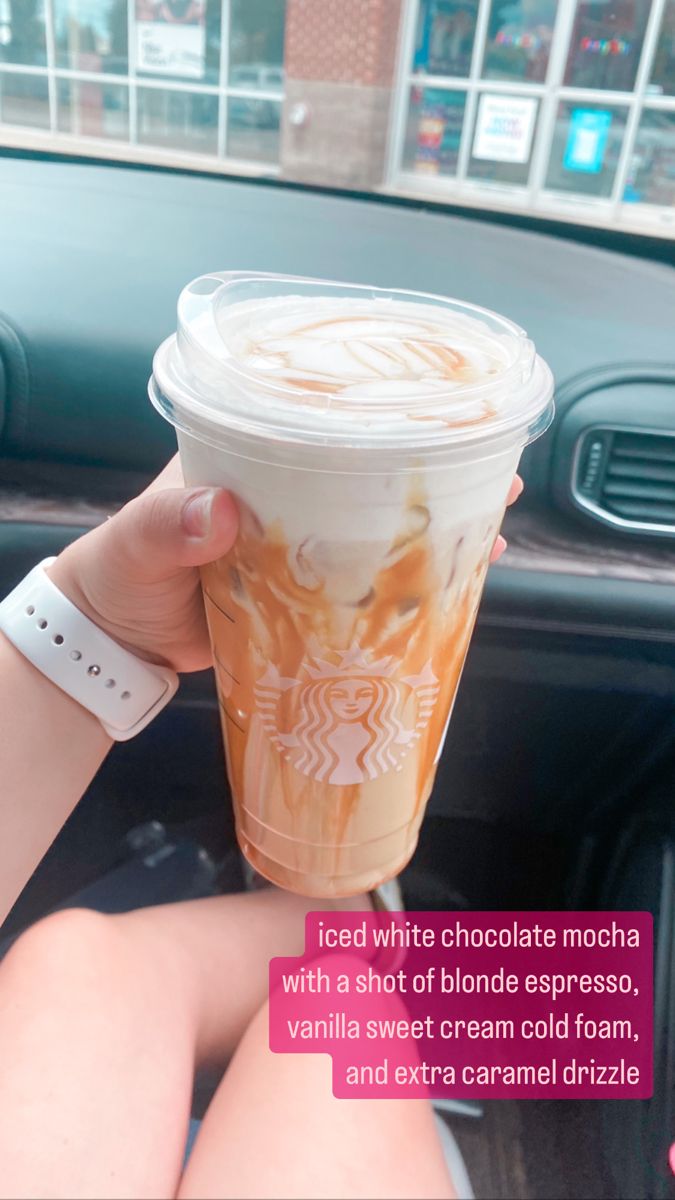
(500, 544)
(197, 514)
(518, 485)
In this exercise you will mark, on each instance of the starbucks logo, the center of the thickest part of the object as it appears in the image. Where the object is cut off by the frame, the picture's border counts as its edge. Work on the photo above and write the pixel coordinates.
(350, 724)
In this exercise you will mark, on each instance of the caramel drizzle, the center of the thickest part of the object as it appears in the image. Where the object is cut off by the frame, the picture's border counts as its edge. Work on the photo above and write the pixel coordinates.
(404, 615)
(437, 356)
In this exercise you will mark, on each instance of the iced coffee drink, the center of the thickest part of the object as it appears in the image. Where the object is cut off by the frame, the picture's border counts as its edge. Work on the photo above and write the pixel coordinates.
(371, 439)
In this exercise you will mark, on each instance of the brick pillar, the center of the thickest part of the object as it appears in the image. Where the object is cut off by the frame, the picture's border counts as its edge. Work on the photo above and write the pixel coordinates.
(339, 61)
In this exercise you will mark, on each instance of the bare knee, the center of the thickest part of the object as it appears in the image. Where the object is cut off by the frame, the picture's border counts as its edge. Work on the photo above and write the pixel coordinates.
(68, 950)
(79, 968)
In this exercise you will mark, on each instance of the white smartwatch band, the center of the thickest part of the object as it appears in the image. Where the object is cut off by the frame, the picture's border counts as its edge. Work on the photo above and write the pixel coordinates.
(124, 692)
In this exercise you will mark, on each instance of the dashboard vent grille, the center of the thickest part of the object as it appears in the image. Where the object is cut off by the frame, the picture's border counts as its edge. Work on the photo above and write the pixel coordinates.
(627, 479)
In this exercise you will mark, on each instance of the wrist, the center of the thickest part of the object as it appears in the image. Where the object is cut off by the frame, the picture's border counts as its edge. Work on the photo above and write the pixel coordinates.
(82, 658)
(67, 574)
(47, 698)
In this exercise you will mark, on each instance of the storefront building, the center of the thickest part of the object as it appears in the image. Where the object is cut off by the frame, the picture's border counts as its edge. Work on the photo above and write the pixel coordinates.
(188, 82)
(563, 109)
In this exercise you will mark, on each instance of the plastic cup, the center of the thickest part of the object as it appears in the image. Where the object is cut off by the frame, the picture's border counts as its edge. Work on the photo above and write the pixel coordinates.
(370, 438)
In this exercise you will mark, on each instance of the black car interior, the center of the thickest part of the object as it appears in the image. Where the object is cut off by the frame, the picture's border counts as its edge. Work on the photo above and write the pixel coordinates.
(556, 784)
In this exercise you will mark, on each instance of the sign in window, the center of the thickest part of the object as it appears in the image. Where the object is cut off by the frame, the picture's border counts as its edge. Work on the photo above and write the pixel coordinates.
(586, 140)
(504, 128)
(170, 41)
(434, 131)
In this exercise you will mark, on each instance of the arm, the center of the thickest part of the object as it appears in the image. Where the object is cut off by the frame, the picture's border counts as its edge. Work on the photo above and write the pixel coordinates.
(50, 749)
(136, 577)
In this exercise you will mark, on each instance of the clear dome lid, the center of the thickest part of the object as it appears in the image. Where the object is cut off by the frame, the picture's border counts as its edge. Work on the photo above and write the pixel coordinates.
(321, 363)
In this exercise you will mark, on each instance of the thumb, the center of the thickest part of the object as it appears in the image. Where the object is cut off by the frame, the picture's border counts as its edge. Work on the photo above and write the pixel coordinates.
(176, 527)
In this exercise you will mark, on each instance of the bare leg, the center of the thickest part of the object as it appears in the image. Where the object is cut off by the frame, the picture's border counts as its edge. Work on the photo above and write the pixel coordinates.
(101, 1022)
(274, 1130)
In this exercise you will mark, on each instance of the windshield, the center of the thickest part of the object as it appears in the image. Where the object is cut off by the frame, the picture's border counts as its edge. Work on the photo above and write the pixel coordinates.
(563, 110)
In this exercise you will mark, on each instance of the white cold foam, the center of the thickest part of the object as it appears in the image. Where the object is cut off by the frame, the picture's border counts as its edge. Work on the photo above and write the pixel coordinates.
(342, 526)
(359, 509)
(373, 353)
(369, 355)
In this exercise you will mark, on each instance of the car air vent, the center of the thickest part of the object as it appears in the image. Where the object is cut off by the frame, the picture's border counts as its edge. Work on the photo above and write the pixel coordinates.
(626, 478)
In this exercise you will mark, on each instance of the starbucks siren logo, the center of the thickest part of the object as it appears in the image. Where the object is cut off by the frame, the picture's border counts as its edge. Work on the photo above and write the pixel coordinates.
(350, 726)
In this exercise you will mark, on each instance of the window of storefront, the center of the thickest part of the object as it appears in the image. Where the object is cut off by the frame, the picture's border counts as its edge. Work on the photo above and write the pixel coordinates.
(256, 43)
(434, 131)
(85, 109)
(586, 148)
(90, 37)
(23, 37)
(651, 174)
(502, 138)
(445, 35)
(196, 77)
(24, 100)
(558, 106)
(662, 80)
(606, 44)
(518, 41)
